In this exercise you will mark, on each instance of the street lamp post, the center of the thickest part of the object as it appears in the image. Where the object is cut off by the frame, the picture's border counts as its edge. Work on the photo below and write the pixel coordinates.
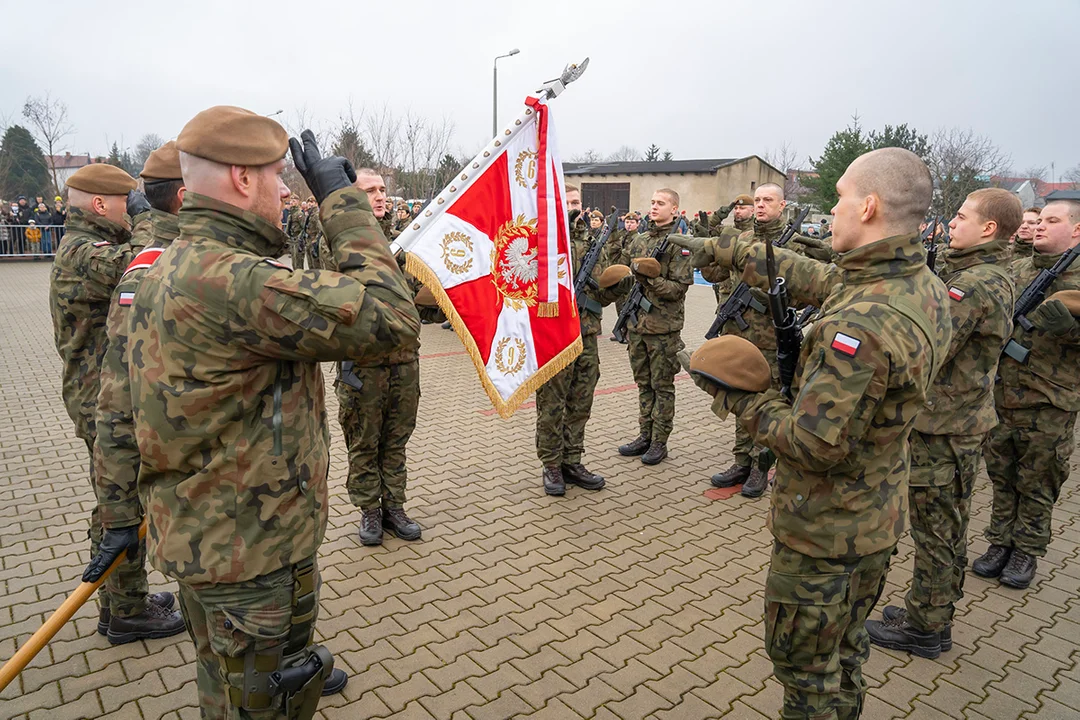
(495, 91)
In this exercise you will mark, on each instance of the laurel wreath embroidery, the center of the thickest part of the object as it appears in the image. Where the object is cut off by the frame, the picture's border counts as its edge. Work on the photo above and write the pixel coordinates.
(452, 252)
(520, 171)
(514, 265)
(562, 267)
(514, 358)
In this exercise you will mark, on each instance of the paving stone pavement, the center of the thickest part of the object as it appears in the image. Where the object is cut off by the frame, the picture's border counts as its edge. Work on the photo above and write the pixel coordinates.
(643, 600)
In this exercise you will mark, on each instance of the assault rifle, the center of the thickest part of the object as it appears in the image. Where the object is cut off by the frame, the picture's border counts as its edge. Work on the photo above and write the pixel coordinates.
(740, 298)
(927, 239)
(1033, 296)
(786, 323)
(636, 302)
(584, 280)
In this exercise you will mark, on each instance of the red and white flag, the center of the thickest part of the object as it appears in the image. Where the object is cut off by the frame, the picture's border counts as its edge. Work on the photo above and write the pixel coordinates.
(492, 247)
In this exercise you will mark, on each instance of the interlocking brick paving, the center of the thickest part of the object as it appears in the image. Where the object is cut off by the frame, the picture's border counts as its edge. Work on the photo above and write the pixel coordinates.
(641, 601)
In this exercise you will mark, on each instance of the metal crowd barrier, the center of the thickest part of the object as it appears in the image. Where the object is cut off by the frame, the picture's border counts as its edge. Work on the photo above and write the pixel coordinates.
(29, 241)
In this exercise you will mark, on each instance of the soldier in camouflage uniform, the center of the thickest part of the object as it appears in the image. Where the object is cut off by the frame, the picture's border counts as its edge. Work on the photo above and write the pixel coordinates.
(228, 403)
(87, 267)
(377, 403)
(1027, 455)
(950, 429)
(842, 447)
(294, 224)
(564, 403)
(314, 240)
(132, 614)
(654, 339)
(616, 243)
(1025, 234)
(768, 224)
(743, 206)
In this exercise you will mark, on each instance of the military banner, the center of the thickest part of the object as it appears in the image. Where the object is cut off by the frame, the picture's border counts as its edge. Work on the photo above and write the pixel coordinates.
(493, 249)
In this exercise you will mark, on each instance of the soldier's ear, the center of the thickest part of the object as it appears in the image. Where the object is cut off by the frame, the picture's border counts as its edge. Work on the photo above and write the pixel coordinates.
(871, 207)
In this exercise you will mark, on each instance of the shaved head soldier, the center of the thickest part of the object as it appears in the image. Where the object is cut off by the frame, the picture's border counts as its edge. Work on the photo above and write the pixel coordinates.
(743, 207)
(228, 403)
(840, 499)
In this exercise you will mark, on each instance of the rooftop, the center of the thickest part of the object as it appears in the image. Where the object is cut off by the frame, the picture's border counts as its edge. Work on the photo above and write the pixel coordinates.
(646, 167)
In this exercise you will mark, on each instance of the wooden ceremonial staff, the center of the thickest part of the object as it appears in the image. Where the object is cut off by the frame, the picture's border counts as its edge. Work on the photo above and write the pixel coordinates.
(45, 633)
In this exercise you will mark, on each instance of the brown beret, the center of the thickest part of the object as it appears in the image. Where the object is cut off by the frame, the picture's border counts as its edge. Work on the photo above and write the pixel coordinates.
(163, 163)
(733, 363)
(1069, 298)
(102, 179)
(233, 136)
(424, 298)
(744, 200)
(612, 275)
(647, 266)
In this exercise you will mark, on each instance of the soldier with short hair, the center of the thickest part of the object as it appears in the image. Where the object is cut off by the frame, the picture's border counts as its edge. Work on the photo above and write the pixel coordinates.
(743, 207)
(654, 339)
(1037, 399)
(839, 505)
(949, 431)
(228, 403)
(1025, 234)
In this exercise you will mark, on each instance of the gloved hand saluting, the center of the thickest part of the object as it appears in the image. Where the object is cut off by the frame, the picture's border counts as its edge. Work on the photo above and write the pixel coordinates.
(322, 175)
(115, 542)
(137, 203)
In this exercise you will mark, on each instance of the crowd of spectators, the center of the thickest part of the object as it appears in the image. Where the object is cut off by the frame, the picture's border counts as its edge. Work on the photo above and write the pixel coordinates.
(31, 227)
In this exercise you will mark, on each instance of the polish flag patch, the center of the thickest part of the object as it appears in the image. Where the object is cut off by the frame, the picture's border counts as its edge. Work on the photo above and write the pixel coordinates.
(845, 344)
(126, 298)
(686, 252)
(277, 264)
(956, 294)
(102, 243)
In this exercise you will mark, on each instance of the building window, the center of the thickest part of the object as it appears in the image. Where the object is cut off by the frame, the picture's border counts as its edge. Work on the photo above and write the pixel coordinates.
(753, 186)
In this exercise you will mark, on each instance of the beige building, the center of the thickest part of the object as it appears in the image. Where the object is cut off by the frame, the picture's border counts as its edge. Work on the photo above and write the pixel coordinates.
(701, 184)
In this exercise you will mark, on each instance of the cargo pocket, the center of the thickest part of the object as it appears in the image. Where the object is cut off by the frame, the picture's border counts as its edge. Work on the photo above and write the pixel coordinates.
(804, 620)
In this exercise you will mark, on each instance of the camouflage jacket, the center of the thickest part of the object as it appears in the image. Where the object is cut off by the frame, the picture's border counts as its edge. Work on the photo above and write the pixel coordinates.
(311, 226)
(981, 299)
(116, 454)
(1021, 249)
(226, 386)
(142, 231)
(666, 292)
(294, 225)
(87, 266)
(717, 273)
(864, 373)
(1051, 375)
(580, 242)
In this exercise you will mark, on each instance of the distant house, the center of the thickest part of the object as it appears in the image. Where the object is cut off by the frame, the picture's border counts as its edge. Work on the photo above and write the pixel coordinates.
(1032, 193)
(66, 165)
(701, 184)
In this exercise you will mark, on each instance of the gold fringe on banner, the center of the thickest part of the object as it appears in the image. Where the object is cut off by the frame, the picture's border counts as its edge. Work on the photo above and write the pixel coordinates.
(418, 269)
(547, 310)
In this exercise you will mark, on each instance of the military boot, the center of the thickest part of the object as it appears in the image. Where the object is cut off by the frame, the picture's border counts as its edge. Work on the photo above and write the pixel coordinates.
(892, 612)
(153, 622)
(899, 634)
(1020, 570)
(992, 562)
(396, 521)
(161, 599)
(578, 474)
(371, 531)
(755, 484)
(335, 683)
(635, 447)
(656, 452)
(554, 482)
(734, 475)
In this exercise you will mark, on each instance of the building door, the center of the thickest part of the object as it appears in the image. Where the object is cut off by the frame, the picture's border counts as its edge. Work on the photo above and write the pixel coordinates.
(601, 196)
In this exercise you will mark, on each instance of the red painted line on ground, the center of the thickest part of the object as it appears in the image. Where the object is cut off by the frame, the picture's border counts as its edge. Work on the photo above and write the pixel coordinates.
(722, 493)
(602, 391)
(445, 354)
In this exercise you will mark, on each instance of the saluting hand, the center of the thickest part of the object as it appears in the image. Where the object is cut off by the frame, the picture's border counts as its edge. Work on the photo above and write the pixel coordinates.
(322, 175)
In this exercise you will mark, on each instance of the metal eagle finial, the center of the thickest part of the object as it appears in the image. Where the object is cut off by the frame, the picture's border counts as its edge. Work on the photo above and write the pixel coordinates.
(571, 73)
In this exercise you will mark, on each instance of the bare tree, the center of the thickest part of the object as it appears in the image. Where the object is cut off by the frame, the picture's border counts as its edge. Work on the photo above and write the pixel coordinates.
(48, 118)
(624, 154)
(589, 156)
(146, 145)
(784, 159)
(383, 130)
(1035, 172)
(961, 161)
(1073, 176)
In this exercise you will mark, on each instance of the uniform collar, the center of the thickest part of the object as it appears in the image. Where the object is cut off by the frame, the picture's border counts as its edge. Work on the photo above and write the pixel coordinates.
(896, 256)
(995, 252)
(745, 225)
(768, 231)
(203, 216)
(1045, 261)
(164, 227)
(88, 222)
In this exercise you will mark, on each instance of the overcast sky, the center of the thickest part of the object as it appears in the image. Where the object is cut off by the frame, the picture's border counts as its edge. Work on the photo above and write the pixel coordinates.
(701, 79)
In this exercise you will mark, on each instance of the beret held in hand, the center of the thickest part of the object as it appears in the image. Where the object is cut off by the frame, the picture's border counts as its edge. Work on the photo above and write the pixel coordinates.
(612, 276)
(646, 266)
(424, 298)
(732, 363)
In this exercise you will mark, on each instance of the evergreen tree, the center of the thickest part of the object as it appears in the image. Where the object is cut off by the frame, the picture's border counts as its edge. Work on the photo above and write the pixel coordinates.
(349, 145)
(653, 153)
(667, 156)
(900, 136)
(23, 170)
(841, 150)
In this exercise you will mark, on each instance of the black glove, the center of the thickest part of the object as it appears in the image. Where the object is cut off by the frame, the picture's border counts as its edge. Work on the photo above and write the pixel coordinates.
(1052, 317)
(703, 218)
(137, 203)
(732, 205)
(115, 542)
(322, 175)
(574, 215)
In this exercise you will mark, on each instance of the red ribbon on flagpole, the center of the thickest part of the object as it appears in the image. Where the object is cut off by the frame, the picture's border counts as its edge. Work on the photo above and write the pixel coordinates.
(548, 305)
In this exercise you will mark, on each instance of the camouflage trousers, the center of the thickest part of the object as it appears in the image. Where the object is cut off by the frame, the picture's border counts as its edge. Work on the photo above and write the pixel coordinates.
(743, 449)
(815, 629)
(296, 253)
(1027, 459)
(563, 406)
(377, 422)
(652, 358)
(943, 471)
(229, 621)
(319, 252)
(124, 591)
